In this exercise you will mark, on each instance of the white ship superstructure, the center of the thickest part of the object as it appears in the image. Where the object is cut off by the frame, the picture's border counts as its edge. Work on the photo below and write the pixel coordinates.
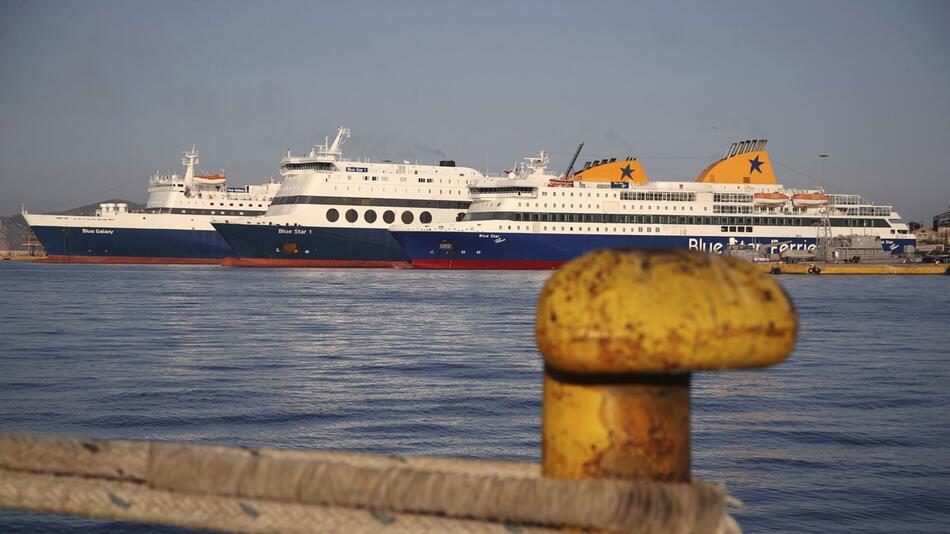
(174, 227)
(332, 211)
(207, 194)
(535, 221)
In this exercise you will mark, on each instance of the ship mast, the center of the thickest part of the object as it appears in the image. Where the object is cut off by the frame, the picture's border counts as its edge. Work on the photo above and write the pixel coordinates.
(327, 150)
(342, 134)
(190, 161)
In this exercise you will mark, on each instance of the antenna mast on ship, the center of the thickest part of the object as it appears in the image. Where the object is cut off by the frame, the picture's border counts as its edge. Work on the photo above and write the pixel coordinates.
(190, 161)
(342, 134)
(336, 149)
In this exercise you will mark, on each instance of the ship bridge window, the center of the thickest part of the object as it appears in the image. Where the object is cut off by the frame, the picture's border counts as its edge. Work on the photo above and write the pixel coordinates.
(310, 166)
(731, 197)
(501, 190)
(675, 196)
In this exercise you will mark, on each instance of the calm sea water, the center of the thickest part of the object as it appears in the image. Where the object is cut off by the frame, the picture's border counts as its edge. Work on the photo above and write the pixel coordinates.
(851, 434)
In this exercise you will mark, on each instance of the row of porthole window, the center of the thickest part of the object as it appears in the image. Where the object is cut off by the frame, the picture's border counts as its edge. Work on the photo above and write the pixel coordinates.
(370, 216)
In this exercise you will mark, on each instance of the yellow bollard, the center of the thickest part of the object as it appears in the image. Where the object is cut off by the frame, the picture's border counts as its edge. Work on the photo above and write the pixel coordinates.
(621, 331)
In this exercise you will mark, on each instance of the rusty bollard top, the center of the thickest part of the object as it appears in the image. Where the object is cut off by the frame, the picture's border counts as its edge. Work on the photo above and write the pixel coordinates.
(662, 312)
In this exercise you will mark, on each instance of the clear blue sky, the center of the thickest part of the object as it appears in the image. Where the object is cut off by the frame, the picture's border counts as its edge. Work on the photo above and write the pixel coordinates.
(95, 96)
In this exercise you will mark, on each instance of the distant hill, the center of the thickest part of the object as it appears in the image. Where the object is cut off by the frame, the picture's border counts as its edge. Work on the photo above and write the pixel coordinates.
(14, 230)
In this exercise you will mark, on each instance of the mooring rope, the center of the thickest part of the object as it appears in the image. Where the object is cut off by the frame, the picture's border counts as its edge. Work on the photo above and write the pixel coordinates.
(267, 490)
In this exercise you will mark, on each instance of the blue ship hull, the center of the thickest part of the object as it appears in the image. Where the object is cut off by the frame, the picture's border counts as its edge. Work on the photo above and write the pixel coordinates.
(472, 250)
(130, 245)
(257, 245)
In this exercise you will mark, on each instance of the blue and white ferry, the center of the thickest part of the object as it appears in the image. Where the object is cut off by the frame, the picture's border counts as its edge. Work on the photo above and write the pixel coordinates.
(535, 220)
(174, 227)
(333, 212)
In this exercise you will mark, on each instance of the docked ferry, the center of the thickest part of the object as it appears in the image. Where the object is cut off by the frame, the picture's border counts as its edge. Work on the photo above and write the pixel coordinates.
(535, 220)
(334, 212)
(174, 227)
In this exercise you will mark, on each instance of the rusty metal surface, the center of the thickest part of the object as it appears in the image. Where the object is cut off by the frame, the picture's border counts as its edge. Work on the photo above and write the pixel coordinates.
(616, 431)
(663, 312)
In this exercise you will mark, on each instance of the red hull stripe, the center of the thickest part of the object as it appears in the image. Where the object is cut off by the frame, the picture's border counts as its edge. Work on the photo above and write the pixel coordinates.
(521, 265)
(265, 262)
(129, 259)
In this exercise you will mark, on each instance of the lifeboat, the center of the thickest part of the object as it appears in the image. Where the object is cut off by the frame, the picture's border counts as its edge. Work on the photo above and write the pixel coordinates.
(212, 179)
(810, 199)
(769, 199)
(561, 182)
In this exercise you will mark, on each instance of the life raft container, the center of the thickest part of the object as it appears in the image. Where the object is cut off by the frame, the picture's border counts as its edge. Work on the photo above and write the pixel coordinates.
(769, 199)
(213, 179)
(810, 199)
